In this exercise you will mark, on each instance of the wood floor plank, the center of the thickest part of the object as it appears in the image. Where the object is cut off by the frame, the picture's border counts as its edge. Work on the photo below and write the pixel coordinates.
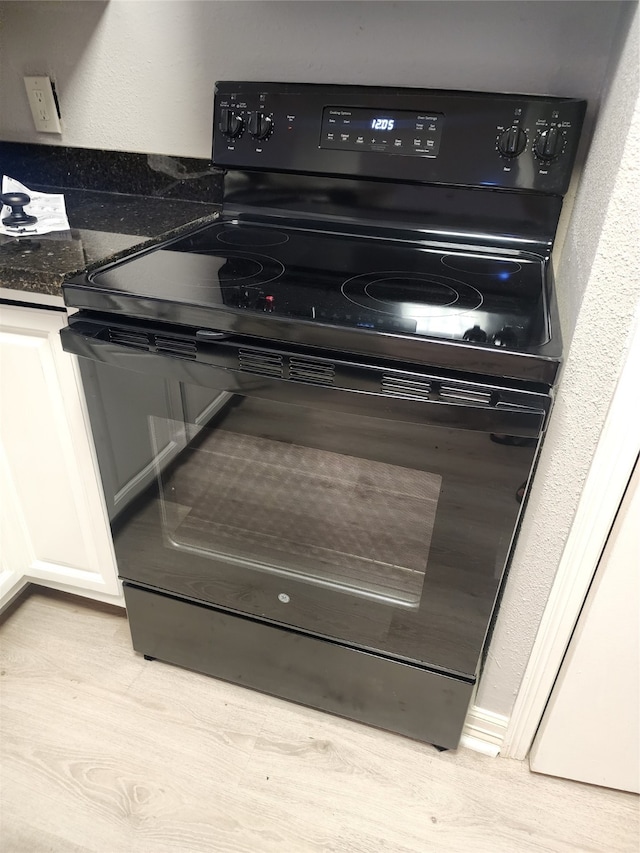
(104, 752)
(20, 836)
(443, 801)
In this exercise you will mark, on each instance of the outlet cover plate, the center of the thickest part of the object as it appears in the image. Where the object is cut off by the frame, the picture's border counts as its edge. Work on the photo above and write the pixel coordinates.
(43, 104)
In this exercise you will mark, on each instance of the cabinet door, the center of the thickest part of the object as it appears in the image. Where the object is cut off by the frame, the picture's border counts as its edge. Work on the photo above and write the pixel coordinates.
(53, 511)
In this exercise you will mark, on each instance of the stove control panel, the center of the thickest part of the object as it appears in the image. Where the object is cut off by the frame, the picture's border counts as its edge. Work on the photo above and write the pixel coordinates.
(401, 132)
(419, 135)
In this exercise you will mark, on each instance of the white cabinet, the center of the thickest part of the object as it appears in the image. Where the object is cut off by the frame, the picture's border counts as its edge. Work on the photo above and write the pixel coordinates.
(54, 526)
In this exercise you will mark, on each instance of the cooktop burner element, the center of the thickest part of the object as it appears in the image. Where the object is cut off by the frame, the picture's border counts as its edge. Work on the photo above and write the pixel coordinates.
(234, 235)
(406, 292)
(243, 268)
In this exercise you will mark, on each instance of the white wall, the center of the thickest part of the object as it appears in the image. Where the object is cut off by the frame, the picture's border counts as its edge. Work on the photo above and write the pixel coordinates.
(139, 76)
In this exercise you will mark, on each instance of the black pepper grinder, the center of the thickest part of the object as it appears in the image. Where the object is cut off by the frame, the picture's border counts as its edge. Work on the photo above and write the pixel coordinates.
(17, 217)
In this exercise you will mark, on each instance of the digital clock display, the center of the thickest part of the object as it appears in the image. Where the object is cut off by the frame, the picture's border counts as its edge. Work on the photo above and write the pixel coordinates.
(382, 123)
(404, 132)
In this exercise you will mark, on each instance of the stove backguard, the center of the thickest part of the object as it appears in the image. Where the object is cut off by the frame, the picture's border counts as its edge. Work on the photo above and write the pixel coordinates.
(469, 139)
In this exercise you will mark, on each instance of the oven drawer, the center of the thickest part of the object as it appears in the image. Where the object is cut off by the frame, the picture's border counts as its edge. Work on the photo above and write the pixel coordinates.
(369, 688)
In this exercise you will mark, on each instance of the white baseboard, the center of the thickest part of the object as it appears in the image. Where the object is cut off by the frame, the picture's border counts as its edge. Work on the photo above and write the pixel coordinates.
(484, 731)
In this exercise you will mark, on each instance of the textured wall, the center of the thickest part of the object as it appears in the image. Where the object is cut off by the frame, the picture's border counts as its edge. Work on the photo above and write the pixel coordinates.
(139, 76)
(599, 272)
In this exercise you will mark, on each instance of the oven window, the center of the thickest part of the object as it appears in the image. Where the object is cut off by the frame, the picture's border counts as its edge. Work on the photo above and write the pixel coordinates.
(264, 490)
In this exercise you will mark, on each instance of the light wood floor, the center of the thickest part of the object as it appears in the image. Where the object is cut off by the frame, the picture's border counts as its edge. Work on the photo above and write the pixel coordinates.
(105, 752)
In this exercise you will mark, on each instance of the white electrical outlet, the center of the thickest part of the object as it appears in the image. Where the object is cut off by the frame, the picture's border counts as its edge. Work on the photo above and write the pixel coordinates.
(43, 105)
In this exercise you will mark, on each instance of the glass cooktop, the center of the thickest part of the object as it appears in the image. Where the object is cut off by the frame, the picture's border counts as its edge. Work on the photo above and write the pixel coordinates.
(347, 281)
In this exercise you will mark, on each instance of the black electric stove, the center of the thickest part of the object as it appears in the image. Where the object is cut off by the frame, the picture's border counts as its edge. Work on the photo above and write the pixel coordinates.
(316, 418)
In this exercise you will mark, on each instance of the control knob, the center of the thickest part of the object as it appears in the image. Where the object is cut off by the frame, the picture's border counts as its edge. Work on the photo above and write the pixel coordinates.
(260, 125)
(549, 144)
(475, 334)
(231, 124)
(512, 142)
(506, 337)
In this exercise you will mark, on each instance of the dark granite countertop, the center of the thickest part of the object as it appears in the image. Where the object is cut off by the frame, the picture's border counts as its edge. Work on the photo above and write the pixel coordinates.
(105, 225)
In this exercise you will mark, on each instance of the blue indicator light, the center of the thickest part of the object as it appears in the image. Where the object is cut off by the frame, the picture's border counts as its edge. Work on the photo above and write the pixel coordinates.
(504, 275)
(366, 325)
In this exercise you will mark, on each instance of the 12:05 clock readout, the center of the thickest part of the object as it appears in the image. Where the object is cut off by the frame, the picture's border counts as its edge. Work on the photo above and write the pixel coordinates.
(382, 123)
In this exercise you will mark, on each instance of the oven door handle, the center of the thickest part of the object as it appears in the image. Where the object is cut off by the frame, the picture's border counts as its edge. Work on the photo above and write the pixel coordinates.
(507, 414)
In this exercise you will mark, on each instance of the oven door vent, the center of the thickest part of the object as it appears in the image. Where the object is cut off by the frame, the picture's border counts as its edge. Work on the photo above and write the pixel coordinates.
(264, 363)
(405, 386)
(317, 372)
(460, 394)
(181, 347)
(129, 338)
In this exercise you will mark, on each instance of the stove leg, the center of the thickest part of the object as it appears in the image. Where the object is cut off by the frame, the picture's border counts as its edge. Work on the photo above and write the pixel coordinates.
(439, 748)
(148, 657)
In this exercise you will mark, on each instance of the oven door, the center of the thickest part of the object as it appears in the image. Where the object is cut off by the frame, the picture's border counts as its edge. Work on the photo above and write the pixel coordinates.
(368, 505)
